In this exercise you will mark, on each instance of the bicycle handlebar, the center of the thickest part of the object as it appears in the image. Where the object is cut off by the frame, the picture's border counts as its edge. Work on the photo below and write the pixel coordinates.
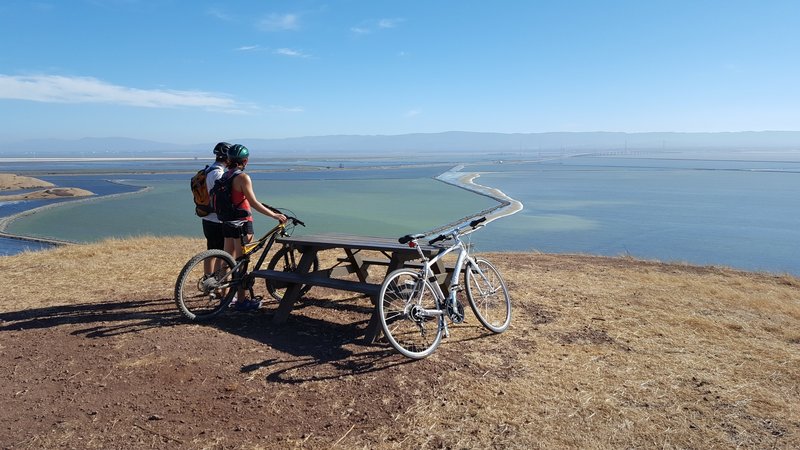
(476, 222)
(295, 221)
(449, 235)
(438, 238)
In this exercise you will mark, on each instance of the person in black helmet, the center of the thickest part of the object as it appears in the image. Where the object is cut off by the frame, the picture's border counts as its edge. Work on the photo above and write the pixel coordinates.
(243, 196)
(212, 226)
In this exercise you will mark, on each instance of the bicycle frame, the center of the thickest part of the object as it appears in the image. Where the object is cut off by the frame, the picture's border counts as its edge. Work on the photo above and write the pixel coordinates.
(448, 302)
(248, 249)
(414, 308)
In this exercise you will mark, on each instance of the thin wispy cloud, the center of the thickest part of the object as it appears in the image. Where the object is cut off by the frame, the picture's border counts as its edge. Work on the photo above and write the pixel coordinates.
(413, 113)
(388, 23)
(63, 89)
(279, 22)
(291, 53)
(285, 109)
(218, 14)
(248, 48)
(372, 26)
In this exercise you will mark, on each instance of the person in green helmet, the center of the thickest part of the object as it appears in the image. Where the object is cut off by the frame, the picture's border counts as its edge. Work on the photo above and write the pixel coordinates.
(244, 198)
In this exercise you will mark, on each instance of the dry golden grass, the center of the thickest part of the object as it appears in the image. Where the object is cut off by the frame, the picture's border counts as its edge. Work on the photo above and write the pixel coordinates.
(601, 353)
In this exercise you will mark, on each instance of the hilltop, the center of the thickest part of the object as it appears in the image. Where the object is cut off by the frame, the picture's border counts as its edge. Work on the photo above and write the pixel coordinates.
(602, 353)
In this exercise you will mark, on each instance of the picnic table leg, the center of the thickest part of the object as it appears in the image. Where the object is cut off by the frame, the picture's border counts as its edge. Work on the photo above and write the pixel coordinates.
(293, 289)
(373, 331)
(358, 264)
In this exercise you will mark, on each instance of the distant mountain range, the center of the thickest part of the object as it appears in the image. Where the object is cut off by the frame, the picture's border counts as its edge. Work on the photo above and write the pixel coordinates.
(446, 142)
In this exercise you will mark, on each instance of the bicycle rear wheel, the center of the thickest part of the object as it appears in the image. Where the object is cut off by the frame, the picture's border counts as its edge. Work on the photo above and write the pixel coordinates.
(403, 297)
(286, 260)
(488, 295)
(204, 287)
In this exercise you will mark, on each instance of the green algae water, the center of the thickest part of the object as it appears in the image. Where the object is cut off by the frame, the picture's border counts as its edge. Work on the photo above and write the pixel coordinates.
(375, 207)
(737, 210)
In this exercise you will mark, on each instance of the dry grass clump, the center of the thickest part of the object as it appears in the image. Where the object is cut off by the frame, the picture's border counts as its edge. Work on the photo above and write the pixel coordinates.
(601, 353)
(111, 269)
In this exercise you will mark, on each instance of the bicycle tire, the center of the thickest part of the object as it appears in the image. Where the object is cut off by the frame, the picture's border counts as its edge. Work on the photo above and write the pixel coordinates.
(400, 295)
(287, 262)
(488, 297)
(200, 297)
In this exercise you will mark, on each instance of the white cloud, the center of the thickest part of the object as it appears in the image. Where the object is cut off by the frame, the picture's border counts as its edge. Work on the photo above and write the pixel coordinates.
(285, 109)
(290, 52)
(388, 23)
(248, 48)
(374, 25)
(413, 112)
(279, 22)
(62, 89)
(216, 13)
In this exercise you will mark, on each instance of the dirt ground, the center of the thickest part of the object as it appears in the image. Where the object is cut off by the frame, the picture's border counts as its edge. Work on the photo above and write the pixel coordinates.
(132, 373)
(582, 366)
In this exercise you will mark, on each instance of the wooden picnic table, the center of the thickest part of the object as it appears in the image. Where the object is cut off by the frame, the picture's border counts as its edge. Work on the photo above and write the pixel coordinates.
(395, 255)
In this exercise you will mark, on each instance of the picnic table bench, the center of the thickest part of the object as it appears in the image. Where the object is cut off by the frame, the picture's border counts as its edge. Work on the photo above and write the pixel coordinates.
(395, 255)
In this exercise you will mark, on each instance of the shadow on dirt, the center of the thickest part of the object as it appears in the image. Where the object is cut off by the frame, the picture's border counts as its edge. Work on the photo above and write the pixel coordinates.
(117, 317)
(317, 349)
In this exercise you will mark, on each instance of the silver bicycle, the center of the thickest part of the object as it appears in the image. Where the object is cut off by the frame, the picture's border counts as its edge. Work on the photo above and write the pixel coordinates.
(412, 307)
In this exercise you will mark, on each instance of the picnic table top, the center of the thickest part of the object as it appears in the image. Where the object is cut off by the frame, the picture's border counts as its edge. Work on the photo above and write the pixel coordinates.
(349, 241)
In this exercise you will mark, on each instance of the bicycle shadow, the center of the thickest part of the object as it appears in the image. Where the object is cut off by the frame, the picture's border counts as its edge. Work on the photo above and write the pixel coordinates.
(318, 348)
(322, 349)
(116, 317)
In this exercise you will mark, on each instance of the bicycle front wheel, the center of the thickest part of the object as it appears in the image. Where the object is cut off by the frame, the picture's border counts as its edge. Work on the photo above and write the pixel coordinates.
(286, 260)
(204, 287)
(411, 318)
(488, 295)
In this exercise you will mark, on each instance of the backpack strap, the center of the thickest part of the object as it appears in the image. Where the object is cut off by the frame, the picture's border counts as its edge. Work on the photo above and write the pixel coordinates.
(229, 180)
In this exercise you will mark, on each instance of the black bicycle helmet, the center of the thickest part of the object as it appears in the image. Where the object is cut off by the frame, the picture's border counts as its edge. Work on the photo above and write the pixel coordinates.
(238, 153)
(222, 148)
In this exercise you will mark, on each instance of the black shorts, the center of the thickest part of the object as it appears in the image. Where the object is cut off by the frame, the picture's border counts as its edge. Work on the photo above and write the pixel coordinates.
(214, 236)
(230, 230)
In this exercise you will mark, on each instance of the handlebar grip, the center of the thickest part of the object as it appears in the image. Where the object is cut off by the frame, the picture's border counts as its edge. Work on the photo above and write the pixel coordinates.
(438, 238)
(476, 222)
(297, 221)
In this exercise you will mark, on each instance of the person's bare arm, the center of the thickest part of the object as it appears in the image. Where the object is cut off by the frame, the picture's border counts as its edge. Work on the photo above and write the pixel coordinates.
(247, 189)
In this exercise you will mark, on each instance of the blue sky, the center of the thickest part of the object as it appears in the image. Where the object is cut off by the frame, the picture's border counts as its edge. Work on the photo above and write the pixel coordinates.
(199, 71)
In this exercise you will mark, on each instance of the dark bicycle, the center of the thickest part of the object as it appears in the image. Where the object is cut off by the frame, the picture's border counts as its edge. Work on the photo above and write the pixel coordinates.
(209, 281)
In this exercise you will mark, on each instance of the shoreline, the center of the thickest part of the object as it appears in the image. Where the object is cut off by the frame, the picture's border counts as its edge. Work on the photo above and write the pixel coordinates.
(6, 221)
(466, 180)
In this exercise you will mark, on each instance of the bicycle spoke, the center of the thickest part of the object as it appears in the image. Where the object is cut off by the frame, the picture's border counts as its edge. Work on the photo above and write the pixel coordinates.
(200, 295)
(488, 296)
(403, 296)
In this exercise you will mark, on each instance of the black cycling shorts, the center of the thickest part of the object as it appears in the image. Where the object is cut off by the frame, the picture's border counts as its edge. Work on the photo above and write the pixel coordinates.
(231, 230)
(213, 231)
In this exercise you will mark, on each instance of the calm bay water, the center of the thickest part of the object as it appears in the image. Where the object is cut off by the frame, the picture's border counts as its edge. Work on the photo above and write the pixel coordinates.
(733, 212)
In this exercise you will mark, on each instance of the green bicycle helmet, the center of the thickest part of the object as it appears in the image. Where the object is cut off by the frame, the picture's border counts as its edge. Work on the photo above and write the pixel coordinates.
(238, 153)
(222, 148)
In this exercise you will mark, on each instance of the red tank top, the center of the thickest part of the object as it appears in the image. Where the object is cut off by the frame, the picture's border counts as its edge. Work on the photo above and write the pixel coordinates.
(238, 198)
